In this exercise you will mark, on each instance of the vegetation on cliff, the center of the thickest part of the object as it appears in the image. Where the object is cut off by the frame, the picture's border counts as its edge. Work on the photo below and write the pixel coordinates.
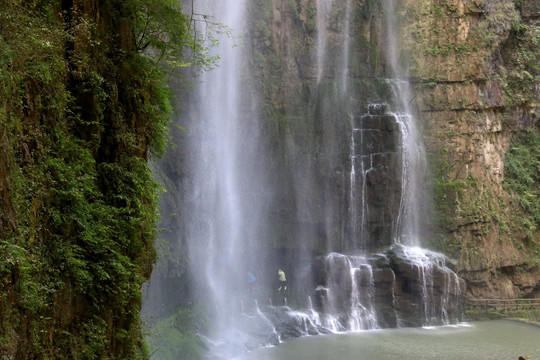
(522, 169)
(475, 65)
(83, 106)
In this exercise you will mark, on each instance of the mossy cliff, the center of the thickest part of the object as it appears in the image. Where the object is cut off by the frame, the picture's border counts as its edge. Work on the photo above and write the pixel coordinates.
(81, 111)
(474, 66)
(474, 75)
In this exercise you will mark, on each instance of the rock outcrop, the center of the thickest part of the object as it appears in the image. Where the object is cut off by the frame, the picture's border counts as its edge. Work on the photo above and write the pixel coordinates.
(401, 286)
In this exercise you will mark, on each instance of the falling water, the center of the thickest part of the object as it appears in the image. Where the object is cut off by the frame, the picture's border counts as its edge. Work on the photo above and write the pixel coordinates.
(407, 226)
(362, 315)
(346, 48)
(226, 214)
(227, 199)
(431, 265)
(323, 10)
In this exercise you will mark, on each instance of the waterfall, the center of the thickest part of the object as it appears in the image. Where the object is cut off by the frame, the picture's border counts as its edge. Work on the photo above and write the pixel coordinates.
(329, 189)
(225, 174)
(363, 315)
(407, 225)
(403, 160)
(407, 228)
(324, 58)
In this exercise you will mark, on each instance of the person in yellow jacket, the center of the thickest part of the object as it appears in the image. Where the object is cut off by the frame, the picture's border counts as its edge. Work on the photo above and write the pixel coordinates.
(282, 280)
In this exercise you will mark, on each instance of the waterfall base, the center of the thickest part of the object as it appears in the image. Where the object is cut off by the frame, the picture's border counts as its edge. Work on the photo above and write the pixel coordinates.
(399, 287)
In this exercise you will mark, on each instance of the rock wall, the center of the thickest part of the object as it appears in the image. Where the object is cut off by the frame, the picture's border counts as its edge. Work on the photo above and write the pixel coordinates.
(460, 55)
(309, 116)
(464, 63)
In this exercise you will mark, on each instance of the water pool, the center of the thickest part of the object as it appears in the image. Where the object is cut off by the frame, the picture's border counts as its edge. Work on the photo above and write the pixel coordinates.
(498, 339)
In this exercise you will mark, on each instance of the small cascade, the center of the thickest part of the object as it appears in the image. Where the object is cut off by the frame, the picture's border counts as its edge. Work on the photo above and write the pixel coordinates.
(274, 333)
(313, 315)
(357, 309)
(348, 301)
(374, 180)
(362, 316)
(337, 303)
(361, 166)
(401, 286)
(436, 282)
(407, 226)
(395, 302)
(353, 200)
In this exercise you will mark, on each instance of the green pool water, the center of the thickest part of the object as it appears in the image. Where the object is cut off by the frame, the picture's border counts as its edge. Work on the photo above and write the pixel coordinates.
(493, 340)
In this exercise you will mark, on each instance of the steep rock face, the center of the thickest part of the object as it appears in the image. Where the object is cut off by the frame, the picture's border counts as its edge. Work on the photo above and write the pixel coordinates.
(309, 88)
(461, 60)
(375, 176)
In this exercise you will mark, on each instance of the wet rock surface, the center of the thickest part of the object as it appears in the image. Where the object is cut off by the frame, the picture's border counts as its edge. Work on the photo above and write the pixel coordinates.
(401, 286)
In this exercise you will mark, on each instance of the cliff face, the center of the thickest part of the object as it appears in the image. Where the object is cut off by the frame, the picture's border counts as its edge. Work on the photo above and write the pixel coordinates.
(476, 90)
(474, 79)
(80, 111)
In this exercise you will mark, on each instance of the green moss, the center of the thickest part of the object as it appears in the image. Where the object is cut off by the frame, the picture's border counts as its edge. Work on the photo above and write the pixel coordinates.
(479, 315)
(524, 315)
(521, 70)
(522, 178)
(499, 19)
(311, 16)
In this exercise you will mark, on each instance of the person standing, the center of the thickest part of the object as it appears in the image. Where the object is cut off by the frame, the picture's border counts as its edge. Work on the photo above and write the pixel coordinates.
(282, 280)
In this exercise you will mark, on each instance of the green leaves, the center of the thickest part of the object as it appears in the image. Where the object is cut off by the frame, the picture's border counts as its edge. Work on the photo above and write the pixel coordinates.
(83, 105)
(169, 37)
(522, 177)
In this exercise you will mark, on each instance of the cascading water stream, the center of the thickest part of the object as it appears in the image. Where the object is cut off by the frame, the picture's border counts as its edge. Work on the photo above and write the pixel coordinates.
(362, 315)
(224, 143)
(407, 225)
